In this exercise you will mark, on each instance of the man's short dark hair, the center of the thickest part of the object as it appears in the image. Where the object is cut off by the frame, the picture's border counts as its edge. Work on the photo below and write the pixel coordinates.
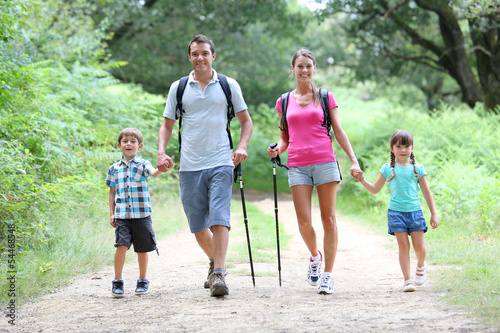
(201, 39)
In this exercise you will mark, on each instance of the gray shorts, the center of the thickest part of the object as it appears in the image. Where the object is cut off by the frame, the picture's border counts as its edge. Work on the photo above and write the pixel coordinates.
(206, 197)
(315, 174)
(136, 231)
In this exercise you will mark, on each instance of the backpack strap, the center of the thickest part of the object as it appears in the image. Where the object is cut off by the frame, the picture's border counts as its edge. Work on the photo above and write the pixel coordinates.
(284, 105)
(327, 121)
(178, 109)
(230, 108)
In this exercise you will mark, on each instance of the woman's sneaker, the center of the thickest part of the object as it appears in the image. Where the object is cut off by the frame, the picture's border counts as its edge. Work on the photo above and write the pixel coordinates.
(142, 287)
(314, 271)
(326, 286)
(117, 288)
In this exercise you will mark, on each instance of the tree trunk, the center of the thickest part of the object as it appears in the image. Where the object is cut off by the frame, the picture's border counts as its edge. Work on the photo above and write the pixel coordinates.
(454, 59)
(487, 50)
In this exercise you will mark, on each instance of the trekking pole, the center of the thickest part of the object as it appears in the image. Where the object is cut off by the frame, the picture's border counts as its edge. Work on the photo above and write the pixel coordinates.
(238, 172)
(274, 159)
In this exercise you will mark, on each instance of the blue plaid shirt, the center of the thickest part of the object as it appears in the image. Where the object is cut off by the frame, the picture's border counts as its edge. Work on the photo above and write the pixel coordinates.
(131, 188)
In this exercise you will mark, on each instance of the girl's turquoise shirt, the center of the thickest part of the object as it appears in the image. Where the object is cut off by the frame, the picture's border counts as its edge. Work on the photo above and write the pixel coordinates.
(404, 187)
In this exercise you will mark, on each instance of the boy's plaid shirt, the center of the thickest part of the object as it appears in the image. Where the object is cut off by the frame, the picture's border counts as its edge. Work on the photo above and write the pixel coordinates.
(131, 188)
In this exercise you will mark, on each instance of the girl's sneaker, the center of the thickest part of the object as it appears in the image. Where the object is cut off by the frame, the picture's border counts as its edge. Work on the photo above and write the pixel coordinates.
(326, 286)
(314, 271)
(420, 275)
(409, 286)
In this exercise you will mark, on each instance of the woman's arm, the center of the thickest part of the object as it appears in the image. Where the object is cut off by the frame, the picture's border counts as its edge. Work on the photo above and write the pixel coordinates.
(344, 142)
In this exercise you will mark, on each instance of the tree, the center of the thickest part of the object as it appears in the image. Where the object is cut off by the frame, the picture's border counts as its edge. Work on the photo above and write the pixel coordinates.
(457, 38)
(152, 37)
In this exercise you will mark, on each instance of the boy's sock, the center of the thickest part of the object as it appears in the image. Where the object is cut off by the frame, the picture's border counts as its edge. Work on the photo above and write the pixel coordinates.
(219, 270)
(327, 274)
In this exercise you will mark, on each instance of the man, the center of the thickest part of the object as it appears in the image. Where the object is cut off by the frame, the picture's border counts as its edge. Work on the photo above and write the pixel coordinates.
(207, 162)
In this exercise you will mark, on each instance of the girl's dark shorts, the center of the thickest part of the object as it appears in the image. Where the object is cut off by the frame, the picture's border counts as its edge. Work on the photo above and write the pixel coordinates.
(136, 231)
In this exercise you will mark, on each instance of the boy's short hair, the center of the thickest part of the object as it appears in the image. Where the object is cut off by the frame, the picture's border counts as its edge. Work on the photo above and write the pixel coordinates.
(130, 131)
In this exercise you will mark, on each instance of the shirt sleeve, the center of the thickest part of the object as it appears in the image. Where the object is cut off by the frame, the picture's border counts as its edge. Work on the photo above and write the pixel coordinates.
(110, 179)
(332, 103)
(278, 104)
(171, 104)
(386, 171)
(236, 95)
(148, 167)
(421, 171)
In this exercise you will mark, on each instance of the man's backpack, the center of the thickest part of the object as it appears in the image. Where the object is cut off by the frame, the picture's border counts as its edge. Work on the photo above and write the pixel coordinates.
(327, 122)
(230, 109)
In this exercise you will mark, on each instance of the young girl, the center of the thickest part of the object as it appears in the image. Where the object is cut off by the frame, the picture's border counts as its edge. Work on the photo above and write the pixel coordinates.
(405, 215)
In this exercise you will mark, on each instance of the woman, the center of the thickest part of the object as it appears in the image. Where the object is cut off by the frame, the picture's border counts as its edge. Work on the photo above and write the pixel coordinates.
(312, 163)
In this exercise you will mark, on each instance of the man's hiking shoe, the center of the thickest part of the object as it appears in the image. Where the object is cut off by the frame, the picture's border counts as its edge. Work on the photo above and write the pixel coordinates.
(326, 286)
(142, 287)
(409, 286)
(117, 288)
(206, 284)
(218, 285)
(210, 271)
(420, 275)
(314, 271)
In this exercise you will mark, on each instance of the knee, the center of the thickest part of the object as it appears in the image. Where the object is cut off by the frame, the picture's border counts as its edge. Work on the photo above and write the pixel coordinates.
(329, 223)
(305, 224)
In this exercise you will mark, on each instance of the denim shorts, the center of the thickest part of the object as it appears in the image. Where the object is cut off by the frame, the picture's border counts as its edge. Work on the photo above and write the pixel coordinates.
(136, 231)
(406, 221)
(206, 197)
(315, 174)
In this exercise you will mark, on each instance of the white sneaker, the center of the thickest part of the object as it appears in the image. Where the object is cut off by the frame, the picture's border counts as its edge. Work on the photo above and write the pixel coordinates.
(409, 286)
(326, 286)
(314, 271)
(420, 275)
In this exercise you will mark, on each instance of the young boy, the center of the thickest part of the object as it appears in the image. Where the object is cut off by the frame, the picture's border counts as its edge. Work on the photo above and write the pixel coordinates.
(130, 208)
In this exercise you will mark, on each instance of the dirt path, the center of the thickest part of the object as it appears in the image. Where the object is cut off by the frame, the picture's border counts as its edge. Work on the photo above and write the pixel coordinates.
(368, 296)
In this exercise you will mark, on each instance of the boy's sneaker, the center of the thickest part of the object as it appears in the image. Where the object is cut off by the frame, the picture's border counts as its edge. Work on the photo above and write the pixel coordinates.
(117, 288)
(142, 287)
(326, 286)
(409, 286)
(206, 284)
(420, 275)
(314, 271)
(218, 285)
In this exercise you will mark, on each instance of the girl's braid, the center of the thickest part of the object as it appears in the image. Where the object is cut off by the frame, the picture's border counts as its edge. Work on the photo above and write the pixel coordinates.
(412, 159)
(393, 163)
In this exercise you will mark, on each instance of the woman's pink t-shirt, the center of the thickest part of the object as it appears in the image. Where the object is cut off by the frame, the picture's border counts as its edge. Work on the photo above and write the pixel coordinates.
(309, 142)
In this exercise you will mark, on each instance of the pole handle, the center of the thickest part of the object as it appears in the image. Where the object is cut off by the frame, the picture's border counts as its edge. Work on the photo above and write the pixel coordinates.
(272, 146)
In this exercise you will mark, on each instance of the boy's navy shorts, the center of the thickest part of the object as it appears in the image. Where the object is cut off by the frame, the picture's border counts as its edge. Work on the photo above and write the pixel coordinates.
(136, 231)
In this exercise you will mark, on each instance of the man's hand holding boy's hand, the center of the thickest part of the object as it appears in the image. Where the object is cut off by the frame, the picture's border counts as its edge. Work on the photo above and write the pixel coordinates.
(164, 162)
